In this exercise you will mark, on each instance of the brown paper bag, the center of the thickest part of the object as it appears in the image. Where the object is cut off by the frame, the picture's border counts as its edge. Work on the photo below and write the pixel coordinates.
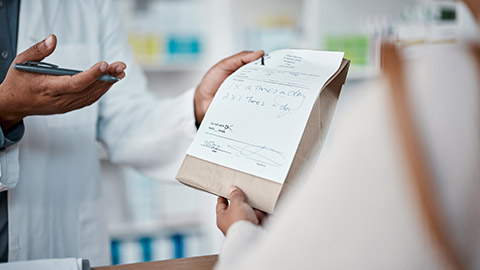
(262, 193)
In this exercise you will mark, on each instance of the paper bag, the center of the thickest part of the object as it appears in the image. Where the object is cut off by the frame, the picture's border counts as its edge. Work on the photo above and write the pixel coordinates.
(261, 193)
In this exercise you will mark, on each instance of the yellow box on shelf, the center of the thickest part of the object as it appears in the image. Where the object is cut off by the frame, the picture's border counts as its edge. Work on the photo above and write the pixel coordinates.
(147, 48)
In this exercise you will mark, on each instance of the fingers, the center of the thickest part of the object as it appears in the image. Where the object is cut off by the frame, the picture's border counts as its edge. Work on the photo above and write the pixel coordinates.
(249, 57)
(80, 81)
(116, 68)
(96, 93)
(236, 211)
(121, 75)
(222, 205)
(238, 60)
(88, 96)
(261, 216)
(236, 195)
(79, 90)
(84, 79)
(38, 51)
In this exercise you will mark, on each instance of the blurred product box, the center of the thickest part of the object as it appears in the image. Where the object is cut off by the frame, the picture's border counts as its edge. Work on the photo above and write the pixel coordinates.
(147, 48)
(272, 33)
(184, 46)
(357, 48)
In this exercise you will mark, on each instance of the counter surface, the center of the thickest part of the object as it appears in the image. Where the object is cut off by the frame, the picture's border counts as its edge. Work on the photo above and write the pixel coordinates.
(197, 263)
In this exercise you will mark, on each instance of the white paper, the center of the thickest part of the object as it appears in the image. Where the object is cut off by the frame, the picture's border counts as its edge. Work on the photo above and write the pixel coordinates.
(258, 116)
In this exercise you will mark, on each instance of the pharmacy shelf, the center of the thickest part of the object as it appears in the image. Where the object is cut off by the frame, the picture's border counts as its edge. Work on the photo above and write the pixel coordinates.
(362, 73)
(173, 68)
(184, 224)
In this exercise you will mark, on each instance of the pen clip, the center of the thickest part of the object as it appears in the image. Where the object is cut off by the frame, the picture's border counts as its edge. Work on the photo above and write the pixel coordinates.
(40, 64)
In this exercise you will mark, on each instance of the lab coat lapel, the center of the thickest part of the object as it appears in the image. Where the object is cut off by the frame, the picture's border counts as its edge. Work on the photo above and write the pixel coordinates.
(36, 28)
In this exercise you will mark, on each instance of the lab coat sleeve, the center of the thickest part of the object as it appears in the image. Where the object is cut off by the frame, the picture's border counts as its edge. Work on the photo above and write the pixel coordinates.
(12, 136)
(241, 237)
(9, 166)
(138, 129)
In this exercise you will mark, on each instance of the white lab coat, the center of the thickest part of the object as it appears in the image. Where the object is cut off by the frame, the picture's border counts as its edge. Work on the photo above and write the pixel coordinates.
(55, 210)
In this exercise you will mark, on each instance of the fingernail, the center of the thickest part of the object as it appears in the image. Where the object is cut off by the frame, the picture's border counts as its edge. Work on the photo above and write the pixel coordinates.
(257, 51)
(103, 67)
(231, 189)
(49, 41)
(119, 69)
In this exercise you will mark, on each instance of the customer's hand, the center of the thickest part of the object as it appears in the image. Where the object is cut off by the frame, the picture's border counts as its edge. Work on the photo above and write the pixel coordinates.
(214, 78)
(23, 93)
(237, 210)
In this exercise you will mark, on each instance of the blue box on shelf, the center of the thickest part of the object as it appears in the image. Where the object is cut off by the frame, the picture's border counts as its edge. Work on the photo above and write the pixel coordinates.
(184, 45)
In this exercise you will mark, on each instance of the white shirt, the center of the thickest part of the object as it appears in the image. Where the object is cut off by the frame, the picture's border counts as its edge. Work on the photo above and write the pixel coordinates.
(55, 210)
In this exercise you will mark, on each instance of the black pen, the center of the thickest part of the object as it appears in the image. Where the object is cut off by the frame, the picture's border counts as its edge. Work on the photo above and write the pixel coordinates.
(263, 61)
(51, 69)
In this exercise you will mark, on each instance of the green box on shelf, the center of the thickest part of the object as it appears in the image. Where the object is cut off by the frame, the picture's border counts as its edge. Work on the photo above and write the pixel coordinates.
(356, 47)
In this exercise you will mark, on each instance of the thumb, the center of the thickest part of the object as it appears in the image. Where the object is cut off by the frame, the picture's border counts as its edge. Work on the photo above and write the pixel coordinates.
(238, 60)
(38, 51)
(236, 195)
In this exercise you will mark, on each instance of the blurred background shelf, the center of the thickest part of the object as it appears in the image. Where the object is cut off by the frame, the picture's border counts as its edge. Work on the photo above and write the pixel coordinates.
(195, 67)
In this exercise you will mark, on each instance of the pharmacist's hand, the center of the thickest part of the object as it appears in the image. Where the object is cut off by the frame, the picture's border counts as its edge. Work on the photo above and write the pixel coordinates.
(23, 93)
(238, 209)
(214, 78)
